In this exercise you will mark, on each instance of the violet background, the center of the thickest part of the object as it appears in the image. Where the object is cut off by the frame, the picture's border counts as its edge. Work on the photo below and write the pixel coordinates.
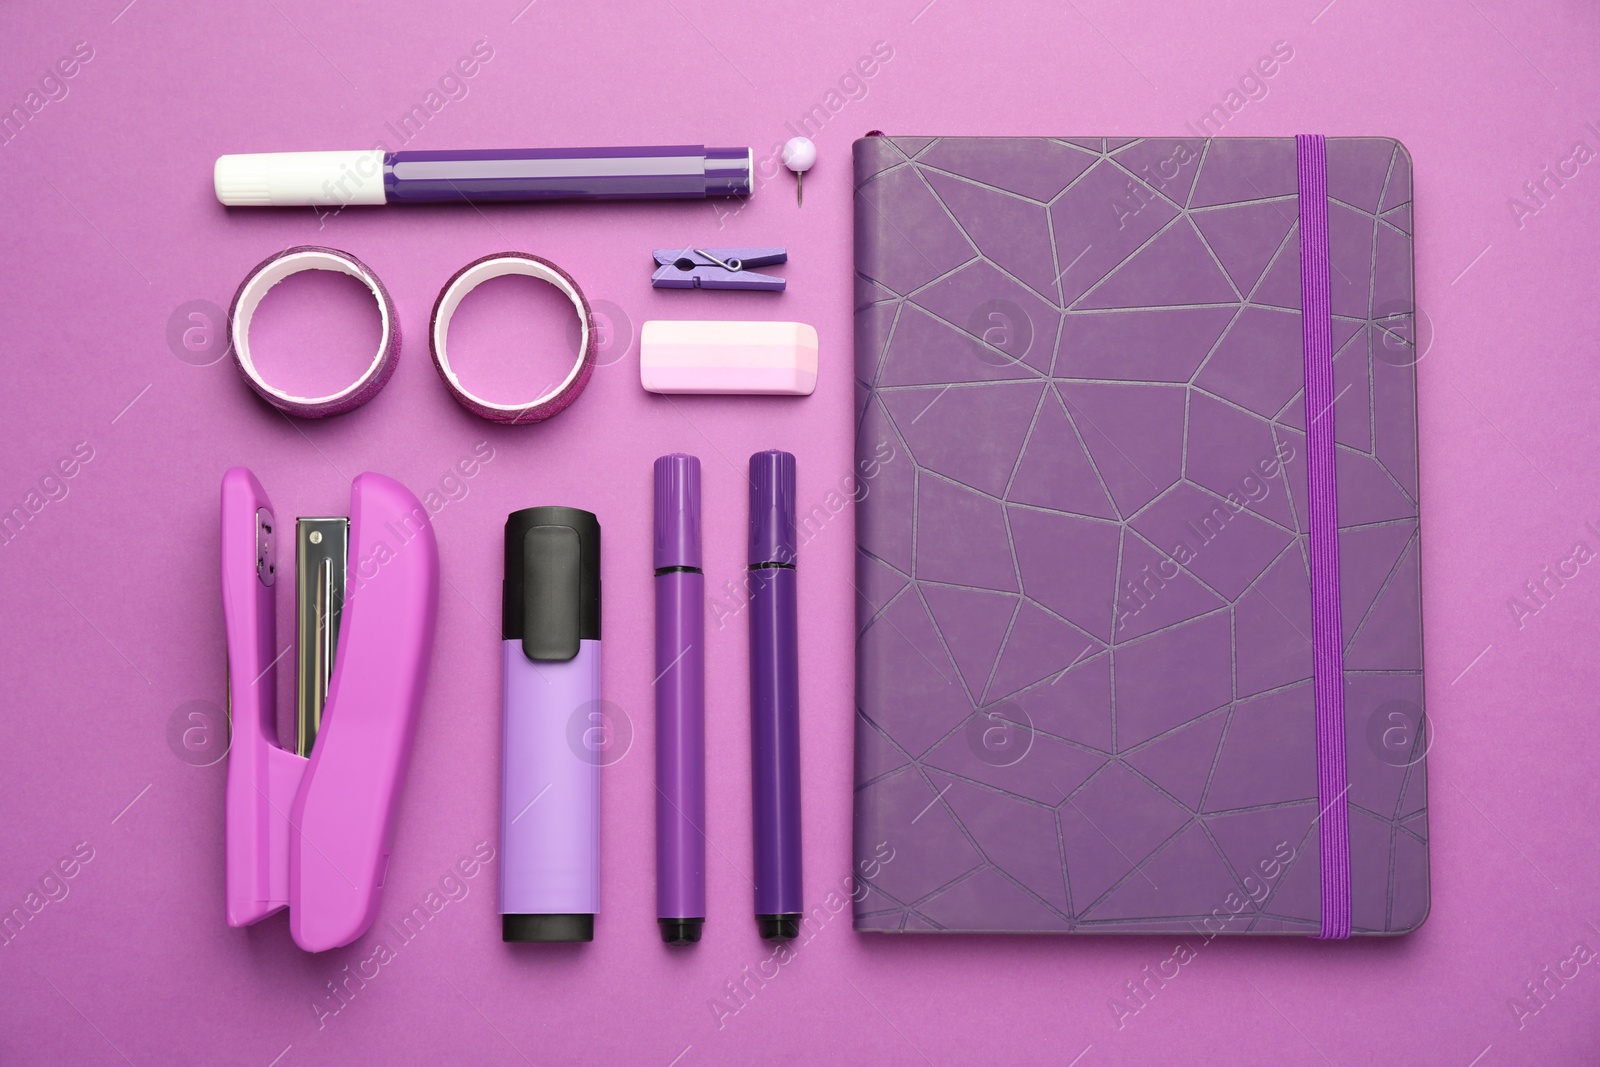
(112, 615)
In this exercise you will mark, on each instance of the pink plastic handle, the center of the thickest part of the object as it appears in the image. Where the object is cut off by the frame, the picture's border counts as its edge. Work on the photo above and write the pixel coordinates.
(345, 810)
(316, 834)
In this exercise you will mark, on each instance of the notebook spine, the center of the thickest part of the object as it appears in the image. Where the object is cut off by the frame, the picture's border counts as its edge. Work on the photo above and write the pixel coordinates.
(868, 158)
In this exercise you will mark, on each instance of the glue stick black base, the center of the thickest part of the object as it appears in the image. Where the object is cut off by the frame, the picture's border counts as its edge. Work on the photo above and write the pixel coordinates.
(547, 928)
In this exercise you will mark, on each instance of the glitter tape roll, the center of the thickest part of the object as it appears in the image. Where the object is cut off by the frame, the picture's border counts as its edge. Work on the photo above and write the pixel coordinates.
(260, 281)
(555, 400)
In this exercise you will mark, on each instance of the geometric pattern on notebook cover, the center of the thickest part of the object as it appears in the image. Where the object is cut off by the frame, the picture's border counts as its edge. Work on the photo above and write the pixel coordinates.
(1084, 698)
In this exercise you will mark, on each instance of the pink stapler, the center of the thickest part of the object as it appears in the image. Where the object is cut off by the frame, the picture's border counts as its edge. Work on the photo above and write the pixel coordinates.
(311, 829)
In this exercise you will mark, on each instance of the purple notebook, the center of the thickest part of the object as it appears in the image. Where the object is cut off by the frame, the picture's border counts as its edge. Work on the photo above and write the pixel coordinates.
(1139, 640)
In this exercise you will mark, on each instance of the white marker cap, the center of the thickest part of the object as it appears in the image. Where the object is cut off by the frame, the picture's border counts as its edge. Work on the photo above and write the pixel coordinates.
(299, 179)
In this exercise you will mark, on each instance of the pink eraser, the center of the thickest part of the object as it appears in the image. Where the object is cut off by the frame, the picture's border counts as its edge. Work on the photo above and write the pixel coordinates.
(728, 357)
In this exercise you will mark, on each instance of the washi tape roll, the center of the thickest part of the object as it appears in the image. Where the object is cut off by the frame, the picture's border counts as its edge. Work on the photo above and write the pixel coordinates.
(554, 400)
(260, 281)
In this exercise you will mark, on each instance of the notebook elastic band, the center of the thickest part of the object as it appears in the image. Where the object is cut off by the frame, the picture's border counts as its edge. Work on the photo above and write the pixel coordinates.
(1327, 631)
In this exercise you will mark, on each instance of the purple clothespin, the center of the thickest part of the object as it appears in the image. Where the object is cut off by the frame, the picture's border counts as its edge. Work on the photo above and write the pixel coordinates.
(717, 268)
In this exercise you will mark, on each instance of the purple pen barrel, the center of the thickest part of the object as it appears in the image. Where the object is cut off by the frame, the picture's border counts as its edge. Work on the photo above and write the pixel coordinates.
(666, 172)
(680, 702)
(774, 695)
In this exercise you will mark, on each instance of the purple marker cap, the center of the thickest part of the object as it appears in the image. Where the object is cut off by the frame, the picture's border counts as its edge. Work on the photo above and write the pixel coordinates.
(728, 171)
(677, 511)
(772, 508)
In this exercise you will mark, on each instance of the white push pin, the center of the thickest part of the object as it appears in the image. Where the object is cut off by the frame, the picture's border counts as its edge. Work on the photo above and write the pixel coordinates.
(798, 155)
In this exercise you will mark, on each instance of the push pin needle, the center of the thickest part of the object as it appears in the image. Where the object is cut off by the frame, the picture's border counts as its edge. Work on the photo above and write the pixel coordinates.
(798, 155)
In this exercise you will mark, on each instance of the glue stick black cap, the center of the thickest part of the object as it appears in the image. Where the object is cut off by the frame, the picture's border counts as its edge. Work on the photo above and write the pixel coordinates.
(551, 597)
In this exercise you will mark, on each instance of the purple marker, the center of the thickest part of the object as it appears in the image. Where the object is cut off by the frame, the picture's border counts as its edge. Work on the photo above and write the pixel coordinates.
(338, 179)
(774, 695)
(550, 771)
(680, 702)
